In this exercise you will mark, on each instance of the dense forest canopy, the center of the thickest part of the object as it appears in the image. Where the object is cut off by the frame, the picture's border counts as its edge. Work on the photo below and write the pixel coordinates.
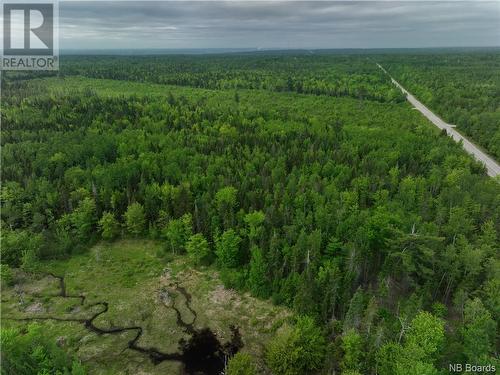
(301, 73)
(304, 179)
(461, 86)
(464, 89)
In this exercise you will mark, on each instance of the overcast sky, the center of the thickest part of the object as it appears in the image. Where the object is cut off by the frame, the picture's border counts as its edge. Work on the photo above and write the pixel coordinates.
(278, 24)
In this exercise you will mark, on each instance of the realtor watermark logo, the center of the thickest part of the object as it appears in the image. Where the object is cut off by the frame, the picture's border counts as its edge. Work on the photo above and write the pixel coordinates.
(30, 35)
(473, 368)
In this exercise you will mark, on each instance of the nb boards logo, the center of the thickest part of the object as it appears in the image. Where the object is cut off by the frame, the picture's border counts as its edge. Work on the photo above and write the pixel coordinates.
(30, 35)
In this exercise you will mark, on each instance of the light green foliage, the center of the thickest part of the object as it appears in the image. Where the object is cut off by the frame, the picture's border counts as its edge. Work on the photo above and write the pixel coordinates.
(439, 310)
(296, 350)
(254, 222)
(387, 358)
(29, 260)
(352, 345)
(6, 275)
(33, 353)
(351, 372)
(135, 219)
(226, 197)
(488, 238)
(478, 332)
(282, 354)
(177, 232)
(425, 336)
(83, 219)
(226, 202)
(257, 279)
(109, 226)
(197, 249)
(241, 364)
(492, 296)
(77, 368)
(409, 367)
(419, 351)
(16, 243)
(227, 249)
(63, 232)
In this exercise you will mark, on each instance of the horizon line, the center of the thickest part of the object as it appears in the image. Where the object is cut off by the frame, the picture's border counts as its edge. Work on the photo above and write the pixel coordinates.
(207, 50)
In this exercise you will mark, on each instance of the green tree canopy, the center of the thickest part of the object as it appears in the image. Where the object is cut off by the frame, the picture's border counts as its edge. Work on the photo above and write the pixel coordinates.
(109, 226)
(227, 249)
(254, 222)
(226, 202)
(296, 350)
(177, 232)
(419, 351)
(352, 346)
(241, 364)
(35, 353)
(478, 332)
(135, 219)
(84, 219)
(198, 249)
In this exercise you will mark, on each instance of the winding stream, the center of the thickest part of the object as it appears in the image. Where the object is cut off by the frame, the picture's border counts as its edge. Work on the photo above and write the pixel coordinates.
(202, 353)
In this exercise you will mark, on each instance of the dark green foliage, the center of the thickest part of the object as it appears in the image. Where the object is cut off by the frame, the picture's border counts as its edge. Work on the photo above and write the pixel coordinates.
(301, 73)
(354, 315)
(257, 279)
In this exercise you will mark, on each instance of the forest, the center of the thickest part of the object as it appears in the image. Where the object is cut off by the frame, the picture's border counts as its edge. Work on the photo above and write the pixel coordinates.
(301, 73)
(463, 88)
(303, 180)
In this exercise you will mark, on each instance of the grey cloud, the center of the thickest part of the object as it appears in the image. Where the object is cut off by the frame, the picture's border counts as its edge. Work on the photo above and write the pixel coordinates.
(278, 24)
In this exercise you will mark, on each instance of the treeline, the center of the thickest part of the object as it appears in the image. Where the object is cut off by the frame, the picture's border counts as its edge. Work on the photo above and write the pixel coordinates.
(463, 88)
(380, 234)
(333, 75)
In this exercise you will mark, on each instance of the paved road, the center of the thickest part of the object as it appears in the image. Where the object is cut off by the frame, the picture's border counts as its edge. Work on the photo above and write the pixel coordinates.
(492, 167)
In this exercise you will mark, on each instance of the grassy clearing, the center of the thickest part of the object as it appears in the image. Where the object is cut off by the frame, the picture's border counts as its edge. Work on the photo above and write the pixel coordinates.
(129, 276)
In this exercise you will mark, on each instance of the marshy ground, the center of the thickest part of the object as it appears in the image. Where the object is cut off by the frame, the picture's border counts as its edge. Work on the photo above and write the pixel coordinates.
(121, 309)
